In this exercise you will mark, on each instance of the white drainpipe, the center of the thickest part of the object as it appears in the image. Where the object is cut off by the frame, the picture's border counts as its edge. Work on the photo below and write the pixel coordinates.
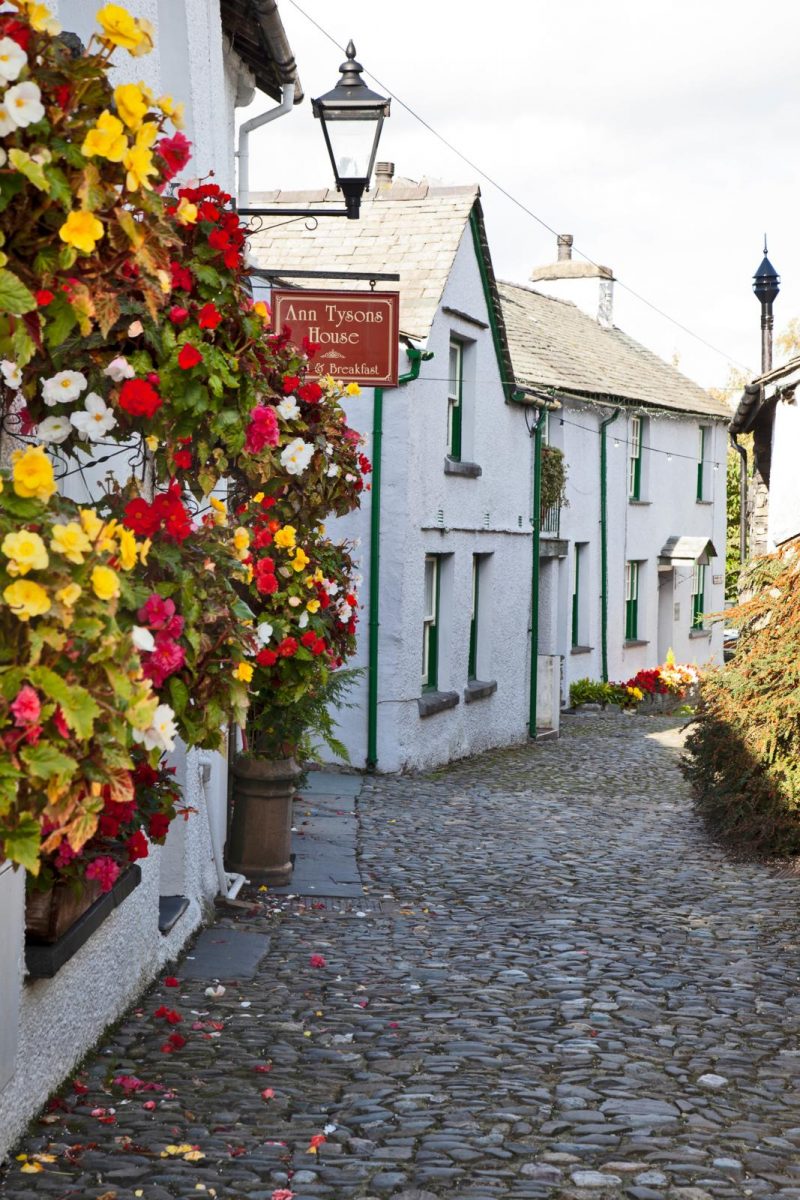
(243, 153)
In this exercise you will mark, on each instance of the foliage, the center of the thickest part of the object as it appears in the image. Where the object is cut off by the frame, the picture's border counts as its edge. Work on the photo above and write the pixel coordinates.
(744, 761)
(590, 691)
(668, 678)
(554, 477)
(73, 700)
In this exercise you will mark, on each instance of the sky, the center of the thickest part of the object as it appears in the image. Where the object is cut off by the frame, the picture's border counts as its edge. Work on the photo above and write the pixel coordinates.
(662, 136)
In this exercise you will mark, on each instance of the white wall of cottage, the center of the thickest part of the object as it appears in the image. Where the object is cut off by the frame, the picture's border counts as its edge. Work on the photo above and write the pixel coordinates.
(784, 480)
(47, 1026)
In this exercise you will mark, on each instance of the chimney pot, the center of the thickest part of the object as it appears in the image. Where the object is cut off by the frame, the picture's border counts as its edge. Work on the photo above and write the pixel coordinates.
(564, 247)
(384, 173)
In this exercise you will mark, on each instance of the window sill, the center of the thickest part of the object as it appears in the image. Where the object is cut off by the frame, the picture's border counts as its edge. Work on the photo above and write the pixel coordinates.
(454, 466)
(581, 649)
(639, 503)
(707, 503)
(431, 703)
(44, 961)
(477, 690)
(699, 633)
(636, 642)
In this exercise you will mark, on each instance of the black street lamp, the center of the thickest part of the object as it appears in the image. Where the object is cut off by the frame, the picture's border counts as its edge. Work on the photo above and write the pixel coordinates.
(766, 285)
(351, 116)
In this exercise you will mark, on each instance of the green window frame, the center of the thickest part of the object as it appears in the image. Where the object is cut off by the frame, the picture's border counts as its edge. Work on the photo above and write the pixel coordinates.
(635, 460)
(698, 596)
(631, 601)
(472, 667)
(430, 625)
(455, 396)
(701, 464)
(576, 597)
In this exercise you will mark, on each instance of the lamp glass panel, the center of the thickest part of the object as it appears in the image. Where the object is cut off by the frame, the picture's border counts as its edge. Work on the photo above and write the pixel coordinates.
(352, 142)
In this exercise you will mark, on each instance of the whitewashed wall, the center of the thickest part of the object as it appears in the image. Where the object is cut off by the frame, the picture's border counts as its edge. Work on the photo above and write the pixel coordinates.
(46, 1026)
(638, 532)
(784, 483)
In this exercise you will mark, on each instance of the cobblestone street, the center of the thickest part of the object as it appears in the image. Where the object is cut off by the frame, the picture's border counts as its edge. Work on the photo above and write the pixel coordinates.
(555, 986)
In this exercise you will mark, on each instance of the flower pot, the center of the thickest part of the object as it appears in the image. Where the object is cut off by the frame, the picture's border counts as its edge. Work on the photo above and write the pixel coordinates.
(48, 915)
(261, 830)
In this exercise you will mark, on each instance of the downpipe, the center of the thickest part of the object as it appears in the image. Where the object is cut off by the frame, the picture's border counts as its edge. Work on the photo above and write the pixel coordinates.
(604, 543)
(742, 452)
(243, 151)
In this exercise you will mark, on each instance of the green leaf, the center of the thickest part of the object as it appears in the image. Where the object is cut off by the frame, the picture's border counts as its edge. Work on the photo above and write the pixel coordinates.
(178, 695)
(10, 186)
(21, 844)
(91, 192)
(32, 170)
(14, 296)
(77, 705)
(9, 786)
(59, 187)
(46, 760)
(206, 274)
(60, 320)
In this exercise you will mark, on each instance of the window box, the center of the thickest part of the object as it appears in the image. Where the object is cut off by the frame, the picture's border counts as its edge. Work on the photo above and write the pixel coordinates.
(44, 958)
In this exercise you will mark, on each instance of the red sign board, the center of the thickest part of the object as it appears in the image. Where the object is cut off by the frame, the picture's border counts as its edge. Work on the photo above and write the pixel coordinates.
(357, 332)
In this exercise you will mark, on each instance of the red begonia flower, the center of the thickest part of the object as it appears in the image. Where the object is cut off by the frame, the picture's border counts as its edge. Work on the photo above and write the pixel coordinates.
(189, 357)
(139, 398)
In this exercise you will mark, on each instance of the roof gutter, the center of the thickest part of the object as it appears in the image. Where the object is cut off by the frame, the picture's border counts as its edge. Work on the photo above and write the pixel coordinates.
(243, 153)
(269, 20)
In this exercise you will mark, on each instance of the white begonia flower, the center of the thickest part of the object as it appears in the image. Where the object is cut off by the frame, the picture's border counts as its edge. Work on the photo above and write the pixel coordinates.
(63, 387)
(96, 421)
(332, 471)
(331, 588)
(301, 624)
(142, 638)
(349, 478)
(6, 124)
(344, 613)
(296, 456)
(162, 733)
(12, 59)
(295, 601)
(119, 368)
(12, 375)
(288, 408)
(53, 430)
(3, 157)
(264, 632)
(23, 103)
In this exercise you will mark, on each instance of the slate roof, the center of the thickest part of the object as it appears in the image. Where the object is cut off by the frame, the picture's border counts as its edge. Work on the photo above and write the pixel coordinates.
(555, 345)
(255, 31)
(405, 228)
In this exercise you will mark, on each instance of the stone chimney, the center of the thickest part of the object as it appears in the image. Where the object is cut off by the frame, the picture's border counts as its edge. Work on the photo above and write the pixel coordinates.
(590, 288)
(384, 174)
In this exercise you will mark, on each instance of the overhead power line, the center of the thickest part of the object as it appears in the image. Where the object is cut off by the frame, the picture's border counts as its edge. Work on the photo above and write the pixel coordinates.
(519, 203)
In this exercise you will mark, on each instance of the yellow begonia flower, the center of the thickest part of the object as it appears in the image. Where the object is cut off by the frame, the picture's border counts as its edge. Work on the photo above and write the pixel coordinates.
(139, 164)
(176, 116)
(41, 18)
(127, 549)
(91, 522)
(285, 538)
(262, 310)
(151, 441)
(241, 539)
(71, 541)
(27, 599)
(259, 496)
(69, 595)
(144, 549)
(107, 139)
(123, 30)
(352, 389)
(148, 39)
(186, 212)
(26, 550)
(81, 230)
(244, 672)
(32, 474)
(105, 583)
(300, 560)
(106, 543)
(131, 104)
(313, 606)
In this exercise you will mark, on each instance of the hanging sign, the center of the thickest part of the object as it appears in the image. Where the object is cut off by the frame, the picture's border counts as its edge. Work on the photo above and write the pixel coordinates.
(357, 332)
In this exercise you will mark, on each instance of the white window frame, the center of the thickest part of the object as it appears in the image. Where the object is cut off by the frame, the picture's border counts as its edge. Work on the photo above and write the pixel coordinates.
(455, 397)
(635, 459)
(430, 617)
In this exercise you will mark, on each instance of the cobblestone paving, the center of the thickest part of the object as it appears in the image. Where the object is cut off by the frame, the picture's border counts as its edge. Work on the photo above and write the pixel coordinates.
(567, 991)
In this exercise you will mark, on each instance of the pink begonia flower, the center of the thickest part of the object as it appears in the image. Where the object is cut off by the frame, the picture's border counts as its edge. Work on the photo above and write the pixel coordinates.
(26, 708)
(105, 871)
(262, 430)
(156, 612)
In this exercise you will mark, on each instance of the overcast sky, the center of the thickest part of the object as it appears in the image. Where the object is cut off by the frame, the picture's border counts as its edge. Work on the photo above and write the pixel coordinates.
(663, 137)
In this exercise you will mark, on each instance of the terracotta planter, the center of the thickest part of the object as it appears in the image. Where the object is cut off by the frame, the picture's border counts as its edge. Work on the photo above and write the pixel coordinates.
(261, 830)
(48, 915)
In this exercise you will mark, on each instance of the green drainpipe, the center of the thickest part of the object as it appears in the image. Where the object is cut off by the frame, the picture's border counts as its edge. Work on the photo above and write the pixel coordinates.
(537, 525)
(416, 359)
(604, 543)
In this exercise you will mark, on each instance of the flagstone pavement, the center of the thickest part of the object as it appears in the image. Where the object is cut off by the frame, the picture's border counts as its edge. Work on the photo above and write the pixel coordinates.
(553, 985)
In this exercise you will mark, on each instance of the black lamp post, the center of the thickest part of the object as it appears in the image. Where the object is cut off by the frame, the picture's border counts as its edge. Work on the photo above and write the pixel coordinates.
(351, 116)
(766, 285)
